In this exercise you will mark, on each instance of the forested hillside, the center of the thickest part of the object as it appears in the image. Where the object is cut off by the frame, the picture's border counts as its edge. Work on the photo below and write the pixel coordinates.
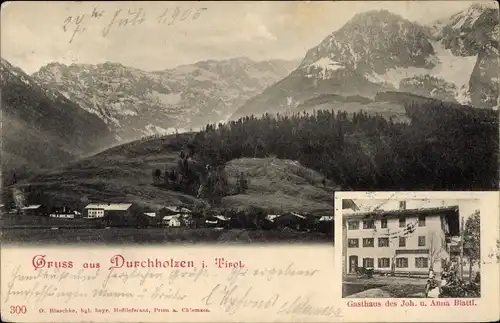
(446, 146)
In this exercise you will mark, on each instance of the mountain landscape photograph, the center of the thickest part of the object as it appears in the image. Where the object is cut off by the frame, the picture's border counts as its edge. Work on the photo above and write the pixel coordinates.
(196, 122)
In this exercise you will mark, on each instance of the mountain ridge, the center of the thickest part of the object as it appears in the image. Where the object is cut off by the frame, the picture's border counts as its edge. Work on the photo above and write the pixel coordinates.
(134, 102)
(453, 60)
(44, 128)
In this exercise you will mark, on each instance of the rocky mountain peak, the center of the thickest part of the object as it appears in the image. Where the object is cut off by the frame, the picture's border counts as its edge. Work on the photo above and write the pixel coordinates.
(454, 59)
(375, 41)
(374, 17)
(134, 102)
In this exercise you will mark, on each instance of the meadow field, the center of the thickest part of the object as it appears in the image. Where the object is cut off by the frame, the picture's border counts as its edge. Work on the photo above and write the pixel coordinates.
(82, 235)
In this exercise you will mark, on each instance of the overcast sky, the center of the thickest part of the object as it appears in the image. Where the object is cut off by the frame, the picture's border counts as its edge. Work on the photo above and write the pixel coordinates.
(33, 33)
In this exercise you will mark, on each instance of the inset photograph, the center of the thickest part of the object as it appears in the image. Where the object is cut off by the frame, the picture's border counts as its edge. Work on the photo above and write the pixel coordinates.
(411, 249)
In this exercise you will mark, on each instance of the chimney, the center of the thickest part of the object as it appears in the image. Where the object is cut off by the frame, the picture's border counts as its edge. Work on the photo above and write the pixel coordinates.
(402, 205)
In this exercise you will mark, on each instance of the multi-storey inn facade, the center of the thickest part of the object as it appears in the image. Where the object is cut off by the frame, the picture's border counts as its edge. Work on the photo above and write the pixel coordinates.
(405, 240)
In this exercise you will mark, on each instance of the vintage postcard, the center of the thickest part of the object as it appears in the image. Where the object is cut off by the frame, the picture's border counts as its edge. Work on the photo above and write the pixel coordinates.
(413, 251)
(208, 161)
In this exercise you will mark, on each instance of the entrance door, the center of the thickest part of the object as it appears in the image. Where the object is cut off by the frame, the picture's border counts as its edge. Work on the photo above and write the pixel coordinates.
(353, 264)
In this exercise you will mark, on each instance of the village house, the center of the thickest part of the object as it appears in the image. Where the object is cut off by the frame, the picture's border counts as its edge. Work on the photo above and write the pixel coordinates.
(291, 220)
(64, 213)
(147, 219)
(34, 210)
(172, 220)
(171, 210)
(400, 241)
(325, 224)
(175, 216)
(326, 218)
(268, 222)
(212, 223)
(222, 221)
(271, 217)
(150, 214)
(111, 214)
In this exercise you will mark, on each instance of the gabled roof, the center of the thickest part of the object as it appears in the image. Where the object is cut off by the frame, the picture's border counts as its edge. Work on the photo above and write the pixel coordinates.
(170, 217)
(349, 204)
(31, 207)
(326, 218)
(176, 209)
(271, 217)
(451, 213)
(150, 214)
(404, 212)
(109, 206)
(292, 214)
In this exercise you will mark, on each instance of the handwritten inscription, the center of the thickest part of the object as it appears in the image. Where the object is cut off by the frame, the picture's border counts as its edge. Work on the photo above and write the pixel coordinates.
(132, 17)
(227, 284)
(234, 297)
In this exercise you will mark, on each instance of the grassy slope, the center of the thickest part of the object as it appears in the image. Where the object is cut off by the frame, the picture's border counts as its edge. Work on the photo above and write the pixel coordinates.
(279, 185)
(157, 235)
(123, 173)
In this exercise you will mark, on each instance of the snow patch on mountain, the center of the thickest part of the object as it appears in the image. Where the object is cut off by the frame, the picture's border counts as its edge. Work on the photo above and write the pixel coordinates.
(128, 99)
(469, 16)
(453, 69)
(166, 99)
(327, 64)
(322, 67)
(151, 129)
(463, 95)
(291, 103)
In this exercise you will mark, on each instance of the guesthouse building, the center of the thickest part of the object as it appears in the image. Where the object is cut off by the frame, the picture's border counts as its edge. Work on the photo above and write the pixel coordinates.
(111, 214)
(404, 241)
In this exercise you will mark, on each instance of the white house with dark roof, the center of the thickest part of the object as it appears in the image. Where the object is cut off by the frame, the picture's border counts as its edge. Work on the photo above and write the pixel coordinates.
(34, 209)
(172, 220)
(404, 240)
(113, 213)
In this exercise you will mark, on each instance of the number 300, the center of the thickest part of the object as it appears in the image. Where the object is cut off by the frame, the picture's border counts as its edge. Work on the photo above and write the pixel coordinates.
(18, 309)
